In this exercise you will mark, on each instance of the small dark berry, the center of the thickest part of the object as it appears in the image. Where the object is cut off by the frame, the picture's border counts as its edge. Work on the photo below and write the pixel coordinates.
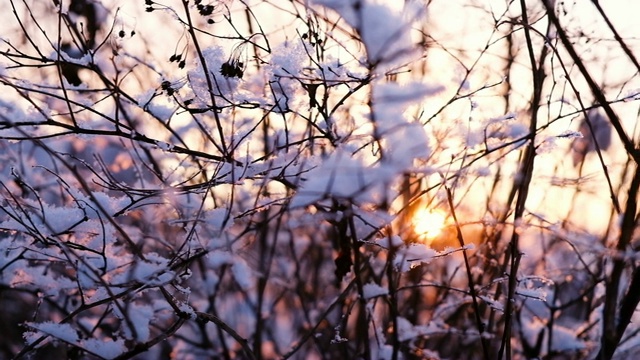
(149, 9)
(182, 64)
(148, 2)
(121, 33)
(205, 10)
(165, 85)
(173, 58)
(226, 70)
(133, 32)
(210, 21)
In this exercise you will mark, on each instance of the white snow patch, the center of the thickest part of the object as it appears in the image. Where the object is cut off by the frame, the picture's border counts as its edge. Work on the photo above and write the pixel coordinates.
(372, 290)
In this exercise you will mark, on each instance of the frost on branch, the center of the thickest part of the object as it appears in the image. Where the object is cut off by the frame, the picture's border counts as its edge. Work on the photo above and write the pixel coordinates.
(343, 176)
(108, 349)
(385, 31)
(245, 179)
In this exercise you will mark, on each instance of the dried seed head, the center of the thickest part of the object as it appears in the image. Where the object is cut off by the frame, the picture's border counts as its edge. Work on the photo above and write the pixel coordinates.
(205, 10)
(226, 69)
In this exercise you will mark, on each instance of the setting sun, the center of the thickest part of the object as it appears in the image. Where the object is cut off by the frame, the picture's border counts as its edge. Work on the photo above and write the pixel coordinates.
(428, 223)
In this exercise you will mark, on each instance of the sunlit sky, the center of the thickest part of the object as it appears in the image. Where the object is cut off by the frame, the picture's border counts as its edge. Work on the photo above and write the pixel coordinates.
(610, 67)
(464, 24)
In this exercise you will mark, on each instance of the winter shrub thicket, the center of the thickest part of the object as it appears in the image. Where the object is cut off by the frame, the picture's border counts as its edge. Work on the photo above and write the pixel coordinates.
(318, 179)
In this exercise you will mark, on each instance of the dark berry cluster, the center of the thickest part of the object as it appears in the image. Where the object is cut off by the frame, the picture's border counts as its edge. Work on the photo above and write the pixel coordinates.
(178, 58)
(205, 10)
(122, 33)
(232, 68)
(171, 88)
(313, 38)
(166, 86)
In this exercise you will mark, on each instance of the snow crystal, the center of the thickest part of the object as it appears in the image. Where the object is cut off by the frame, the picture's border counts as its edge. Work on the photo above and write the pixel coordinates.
(531, 293)
(516, 130)
(630, 95)
(64, 332)
(99, 294)
(569, 134)
(564, 339)
(408, 331)
(405, 144)
(74, 56)
(404, 141)
(31, 336)
(161, 112)
(106, 349)
(140, 316)
(152, 270)
(186, 309)
(388, 98)
(412, 255)
(163, 145)
(219, 258)
(385, 31)
(547, 146)
(337, 338)
(225, 86)
(110, 204)
(499, 119)
(145, 97)
(495, 305)
(55, 219)
(388, 242)
(419, 252)
(215, 219)
(288, 60)
(344, 176)
(242, 273)
(372, 290)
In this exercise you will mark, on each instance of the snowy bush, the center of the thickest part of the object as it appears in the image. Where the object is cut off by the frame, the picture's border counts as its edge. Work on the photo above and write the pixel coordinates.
(318, 179)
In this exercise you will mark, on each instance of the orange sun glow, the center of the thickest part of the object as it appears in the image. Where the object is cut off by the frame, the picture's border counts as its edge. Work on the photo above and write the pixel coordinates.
(429, 223)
